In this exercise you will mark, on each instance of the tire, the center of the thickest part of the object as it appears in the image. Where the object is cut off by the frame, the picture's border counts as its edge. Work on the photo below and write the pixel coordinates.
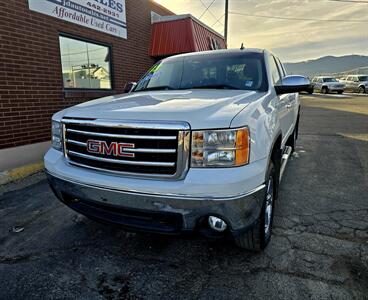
(340, 92)
(310, 91)
(258, 236)
(324, 90)
(361, 90)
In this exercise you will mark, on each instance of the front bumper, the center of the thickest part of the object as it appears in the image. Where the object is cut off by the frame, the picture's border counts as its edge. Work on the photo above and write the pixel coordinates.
(336, 89)
(158, 213)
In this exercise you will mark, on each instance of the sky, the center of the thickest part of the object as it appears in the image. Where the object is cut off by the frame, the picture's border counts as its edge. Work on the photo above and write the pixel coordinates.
(291, 40)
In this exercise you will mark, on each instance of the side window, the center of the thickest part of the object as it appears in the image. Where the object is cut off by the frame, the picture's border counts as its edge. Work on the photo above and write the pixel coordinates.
(348, 78)
(276, 77)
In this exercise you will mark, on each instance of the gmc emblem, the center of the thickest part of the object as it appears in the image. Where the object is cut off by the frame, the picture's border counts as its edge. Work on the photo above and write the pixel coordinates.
(115, 148)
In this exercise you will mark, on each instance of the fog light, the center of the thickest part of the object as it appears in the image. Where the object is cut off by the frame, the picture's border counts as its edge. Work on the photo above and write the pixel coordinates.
(217, 224)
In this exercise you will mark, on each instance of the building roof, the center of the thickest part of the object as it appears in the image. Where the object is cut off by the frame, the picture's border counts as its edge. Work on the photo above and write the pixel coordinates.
(181, 34)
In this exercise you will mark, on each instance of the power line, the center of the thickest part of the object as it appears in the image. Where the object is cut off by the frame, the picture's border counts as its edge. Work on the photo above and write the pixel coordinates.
(212, 14)
(298, 19)
(218, 21)
(208, 7)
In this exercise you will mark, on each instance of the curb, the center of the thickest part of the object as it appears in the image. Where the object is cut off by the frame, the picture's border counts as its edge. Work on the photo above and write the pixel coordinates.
(20, 173)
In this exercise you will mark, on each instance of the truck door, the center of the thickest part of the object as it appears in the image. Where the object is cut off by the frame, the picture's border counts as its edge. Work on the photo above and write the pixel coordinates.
(282, 104)
(292, 99)
(349, 84)
(355, 83)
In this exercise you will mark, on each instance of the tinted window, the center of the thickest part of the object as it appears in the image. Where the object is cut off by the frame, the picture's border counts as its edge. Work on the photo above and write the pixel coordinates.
(329, 80)
(84, 65)
(363, 78)
(242, 72)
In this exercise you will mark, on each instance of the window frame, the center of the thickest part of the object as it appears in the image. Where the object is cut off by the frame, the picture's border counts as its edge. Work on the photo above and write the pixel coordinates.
(91, 41)
(281, 66)
(272, 57)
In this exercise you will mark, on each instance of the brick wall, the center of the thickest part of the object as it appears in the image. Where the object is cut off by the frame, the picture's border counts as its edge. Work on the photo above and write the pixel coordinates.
(31, 84)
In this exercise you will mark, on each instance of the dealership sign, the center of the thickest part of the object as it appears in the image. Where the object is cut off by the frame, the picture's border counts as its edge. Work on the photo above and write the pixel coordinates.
(103, 15)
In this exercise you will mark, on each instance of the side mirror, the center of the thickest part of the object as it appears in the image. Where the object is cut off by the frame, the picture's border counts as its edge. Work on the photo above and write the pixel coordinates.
(293, 84)
(129, 87)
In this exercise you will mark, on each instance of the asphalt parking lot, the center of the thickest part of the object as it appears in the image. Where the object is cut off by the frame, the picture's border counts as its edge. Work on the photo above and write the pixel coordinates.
(319, 249)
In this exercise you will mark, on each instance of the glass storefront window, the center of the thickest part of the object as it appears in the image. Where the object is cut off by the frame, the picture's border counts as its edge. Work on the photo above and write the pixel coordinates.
(84, 65)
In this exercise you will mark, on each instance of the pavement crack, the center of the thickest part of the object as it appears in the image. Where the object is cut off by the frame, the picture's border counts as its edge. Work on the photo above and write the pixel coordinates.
(19, 258)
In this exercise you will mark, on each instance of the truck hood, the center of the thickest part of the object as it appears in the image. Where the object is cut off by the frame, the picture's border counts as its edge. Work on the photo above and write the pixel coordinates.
(200, 108)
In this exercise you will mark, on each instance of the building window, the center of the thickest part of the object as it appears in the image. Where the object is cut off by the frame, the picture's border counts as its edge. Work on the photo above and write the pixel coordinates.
(85, 65)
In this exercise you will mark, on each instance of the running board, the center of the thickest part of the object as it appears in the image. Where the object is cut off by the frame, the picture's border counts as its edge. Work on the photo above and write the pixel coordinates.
(284, 159)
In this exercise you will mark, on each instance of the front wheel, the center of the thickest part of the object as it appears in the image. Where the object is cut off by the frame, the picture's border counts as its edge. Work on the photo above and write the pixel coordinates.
(259, 235)
(340, 92)
(324, 90)
(361, 90)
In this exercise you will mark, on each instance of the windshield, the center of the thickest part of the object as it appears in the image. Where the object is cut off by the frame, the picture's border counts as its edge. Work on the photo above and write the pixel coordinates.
(329, 80)
(238, 72)
(363, 78)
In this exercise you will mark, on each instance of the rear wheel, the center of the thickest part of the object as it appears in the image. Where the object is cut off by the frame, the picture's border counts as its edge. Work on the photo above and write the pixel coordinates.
(259, 235)
(340, 92)
(361, 90)
(324, 90)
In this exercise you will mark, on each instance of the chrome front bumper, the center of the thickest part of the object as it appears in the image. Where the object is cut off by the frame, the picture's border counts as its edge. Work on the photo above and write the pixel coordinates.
(158, 213)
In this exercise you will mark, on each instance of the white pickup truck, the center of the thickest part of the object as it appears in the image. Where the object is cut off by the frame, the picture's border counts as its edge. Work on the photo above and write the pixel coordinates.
(198, 145)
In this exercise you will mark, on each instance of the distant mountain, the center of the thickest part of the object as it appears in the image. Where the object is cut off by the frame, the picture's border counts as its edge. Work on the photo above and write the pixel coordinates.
(329, 65)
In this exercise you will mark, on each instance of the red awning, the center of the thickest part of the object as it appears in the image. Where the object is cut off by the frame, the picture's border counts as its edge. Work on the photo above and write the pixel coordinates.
(182, 34)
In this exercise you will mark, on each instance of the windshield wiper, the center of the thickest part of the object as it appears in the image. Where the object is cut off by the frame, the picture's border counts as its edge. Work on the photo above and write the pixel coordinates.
(157, 88)
(215, 86)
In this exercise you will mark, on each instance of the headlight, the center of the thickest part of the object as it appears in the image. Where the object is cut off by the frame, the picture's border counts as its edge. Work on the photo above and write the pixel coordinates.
(220, 148)
(57, 136)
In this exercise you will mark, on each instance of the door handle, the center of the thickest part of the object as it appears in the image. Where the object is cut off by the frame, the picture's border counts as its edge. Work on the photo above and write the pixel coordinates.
(288, 105)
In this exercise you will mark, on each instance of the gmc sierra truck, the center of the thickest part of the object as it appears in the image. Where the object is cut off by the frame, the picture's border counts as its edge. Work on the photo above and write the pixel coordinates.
(198, 145)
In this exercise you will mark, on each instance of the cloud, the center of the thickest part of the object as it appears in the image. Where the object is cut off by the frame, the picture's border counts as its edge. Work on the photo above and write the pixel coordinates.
(291, 39)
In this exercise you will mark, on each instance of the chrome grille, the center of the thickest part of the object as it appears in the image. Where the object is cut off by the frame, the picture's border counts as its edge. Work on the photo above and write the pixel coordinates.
(146, 148)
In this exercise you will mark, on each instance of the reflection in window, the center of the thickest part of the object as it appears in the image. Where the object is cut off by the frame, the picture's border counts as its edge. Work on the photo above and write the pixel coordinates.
(84, 65)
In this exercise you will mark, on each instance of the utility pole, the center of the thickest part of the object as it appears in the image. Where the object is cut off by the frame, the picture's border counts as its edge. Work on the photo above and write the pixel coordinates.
(226, 19)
